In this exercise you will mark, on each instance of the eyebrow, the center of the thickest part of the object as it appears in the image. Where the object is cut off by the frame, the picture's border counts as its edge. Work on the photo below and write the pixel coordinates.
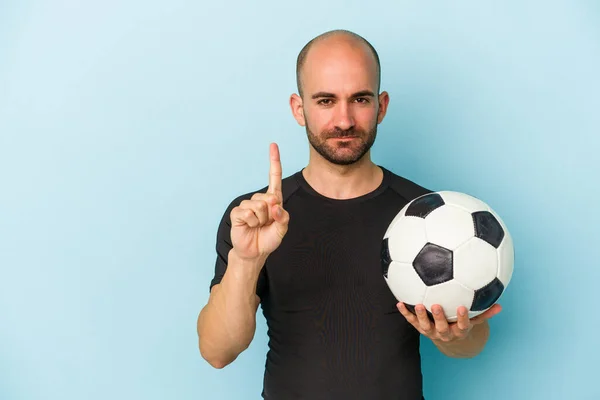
(362, 93)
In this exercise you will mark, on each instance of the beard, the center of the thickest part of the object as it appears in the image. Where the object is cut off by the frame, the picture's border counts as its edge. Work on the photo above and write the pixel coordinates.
(341, 152)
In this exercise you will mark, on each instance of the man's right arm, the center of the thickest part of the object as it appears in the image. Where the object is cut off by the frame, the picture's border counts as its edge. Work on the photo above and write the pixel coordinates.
(226, 325)
(252, 230)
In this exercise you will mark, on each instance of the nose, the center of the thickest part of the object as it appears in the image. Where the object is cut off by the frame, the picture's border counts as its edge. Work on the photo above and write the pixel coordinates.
(344, 119)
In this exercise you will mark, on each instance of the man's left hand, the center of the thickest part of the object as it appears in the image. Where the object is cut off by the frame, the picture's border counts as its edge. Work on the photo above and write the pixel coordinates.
(441, 329)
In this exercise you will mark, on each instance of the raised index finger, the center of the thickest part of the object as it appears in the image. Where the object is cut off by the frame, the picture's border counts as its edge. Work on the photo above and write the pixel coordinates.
(274, 170)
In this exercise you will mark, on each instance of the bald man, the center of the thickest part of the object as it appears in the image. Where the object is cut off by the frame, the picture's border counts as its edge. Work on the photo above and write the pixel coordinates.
(307, 250)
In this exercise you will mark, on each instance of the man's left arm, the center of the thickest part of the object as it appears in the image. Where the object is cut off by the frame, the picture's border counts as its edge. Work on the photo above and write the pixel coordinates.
(464, 338)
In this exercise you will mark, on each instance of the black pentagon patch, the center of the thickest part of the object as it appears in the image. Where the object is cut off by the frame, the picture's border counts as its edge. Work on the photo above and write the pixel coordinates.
(386, 259)
(411, 308)
(487, 295)
(488, 228)
(424, 205)
(434, 264)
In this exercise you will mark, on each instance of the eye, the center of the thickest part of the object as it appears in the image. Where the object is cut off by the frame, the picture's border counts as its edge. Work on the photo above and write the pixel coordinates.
(362, 100)
(325, 102)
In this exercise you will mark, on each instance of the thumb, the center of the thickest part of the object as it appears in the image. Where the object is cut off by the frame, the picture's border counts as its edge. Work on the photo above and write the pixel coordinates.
(279, 214)
(281, 218)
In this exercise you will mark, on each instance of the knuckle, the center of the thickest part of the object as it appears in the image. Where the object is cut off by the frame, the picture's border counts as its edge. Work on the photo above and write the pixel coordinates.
(234, 212)
(261, 206)
(271, 198)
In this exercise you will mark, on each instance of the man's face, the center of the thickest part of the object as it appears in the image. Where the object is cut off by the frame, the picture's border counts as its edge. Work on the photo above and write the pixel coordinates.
(340, 101)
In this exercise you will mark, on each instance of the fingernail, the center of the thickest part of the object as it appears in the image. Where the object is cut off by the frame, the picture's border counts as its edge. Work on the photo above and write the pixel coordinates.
(462, 312)
(436, 311)
(278, 212)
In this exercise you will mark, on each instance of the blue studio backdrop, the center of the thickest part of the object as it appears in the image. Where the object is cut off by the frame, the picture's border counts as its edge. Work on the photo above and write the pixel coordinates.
(126, 127)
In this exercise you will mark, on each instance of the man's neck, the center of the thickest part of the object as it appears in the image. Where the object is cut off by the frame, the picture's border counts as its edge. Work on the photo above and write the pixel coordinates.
(343, 181)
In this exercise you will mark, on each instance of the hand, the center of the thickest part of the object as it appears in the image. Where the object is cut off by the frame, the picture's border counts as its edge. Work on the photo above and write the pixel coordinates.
(258, 225)
(440, 329)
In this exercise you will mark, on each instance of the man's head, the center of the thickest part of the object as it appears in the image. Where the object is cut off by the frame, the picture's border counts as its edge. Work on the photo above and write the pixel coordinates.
(338, 76)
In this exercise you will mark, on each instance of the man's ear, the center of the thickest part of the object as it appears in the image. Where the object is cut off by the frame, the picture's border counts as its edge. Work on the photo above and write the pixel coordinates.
(384, 100)
(297, 109)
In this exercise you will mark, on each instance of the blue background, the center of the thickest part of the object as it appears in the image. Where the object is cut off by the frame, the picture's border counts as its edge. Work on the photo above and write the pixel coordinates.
(126, 127)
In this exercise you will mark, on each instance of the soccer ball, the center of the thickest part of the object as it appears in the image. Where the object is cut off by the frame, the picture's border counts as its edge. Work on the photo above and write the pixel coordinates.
(447, 248)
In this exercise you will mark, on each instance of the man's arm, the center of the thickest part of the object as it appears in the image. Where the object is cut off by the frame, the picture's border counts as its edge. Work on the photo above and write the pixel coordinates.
(467, 347)
(251, 230)
(226, 325)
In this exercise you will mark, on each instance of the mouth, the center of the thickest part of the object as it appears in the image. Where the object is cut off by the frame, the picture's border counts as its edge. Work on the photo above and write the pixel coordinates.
(344, 138)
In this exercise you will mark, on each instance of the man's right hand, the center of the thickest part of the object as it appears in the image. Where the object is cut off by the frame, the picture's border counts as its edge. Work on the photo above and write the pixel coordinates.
(258, 225)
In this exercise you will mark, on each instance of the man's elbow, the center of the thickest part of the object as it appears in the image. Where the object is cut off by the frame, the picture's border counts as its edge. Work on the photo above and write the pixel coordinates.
(215, 359)
(216, 363)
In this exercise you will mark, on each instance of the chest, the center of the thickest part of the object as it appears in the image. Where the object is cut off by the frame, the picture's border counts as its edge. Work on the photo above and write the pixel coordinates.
(331, 253)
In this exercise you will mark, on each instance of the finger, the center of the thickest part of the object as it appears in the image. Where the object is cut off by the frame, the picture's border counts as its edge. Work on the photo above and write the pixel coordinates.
(441, 323)
(463, 324)
(282, 218)
(424, 321)
(260, 208)
(269, 198)
(410, 317)
(274, 170)
(244, 216)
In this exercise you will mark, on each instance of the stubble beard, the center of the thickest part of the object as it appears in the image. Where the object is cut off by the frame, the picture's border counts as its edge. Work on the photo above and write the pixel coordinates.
(335, 151)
